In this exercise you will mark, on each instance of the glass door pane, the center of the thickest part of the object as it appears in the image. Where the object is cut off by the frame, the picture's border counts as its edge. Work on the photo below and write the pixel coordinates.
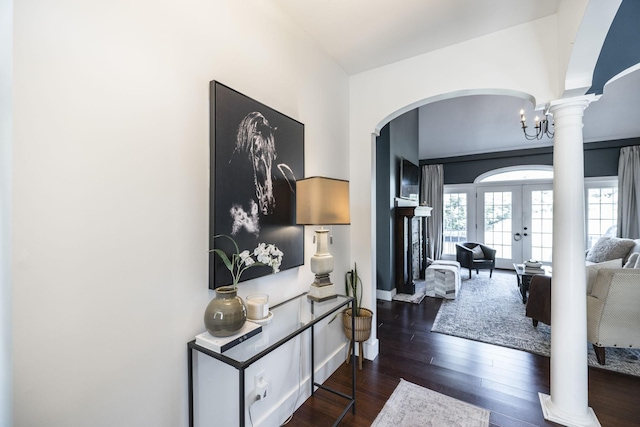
(538, 214)
(500, 211)
(498, 222)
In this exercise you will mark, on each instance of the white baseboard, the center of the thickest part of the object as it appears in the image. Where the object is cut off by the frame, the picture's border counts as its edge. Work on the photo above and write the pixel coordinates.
(371, 349)
(386, 295)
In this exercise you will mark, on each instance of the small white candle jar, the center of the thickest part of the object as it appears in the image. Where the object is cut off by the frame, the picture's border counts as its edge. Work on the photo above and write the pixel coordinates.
(257, 306)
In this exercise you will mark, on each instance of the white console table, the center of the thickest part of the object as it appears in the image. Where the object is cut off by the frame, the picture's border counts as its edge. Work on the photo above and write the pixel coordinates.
(290, 319)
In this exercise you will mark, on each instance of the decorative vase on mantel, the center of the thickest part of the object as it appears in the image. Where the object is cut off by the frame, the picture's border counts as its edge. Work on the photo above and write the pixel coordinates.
(226, 313)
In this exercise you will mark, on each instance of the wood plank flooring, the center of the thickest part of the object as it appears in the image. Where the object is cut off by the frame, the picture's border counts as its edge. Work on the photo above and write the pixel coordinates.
(502, 380)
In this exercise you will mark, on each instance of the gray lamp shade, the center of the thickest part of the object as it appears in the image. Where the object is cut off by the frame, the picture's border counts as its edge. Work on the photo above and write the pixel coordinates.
(322, 201)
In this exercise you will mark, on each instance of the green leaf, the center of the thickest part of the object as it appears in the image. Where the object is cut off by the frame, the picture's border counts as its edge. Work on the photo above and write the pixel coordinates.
(224, 258)
(230, 238)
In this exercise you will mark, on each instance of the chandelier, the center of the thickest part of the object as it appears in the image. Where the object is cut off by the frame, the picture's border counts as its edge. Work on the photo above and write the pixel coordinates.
(542, 127)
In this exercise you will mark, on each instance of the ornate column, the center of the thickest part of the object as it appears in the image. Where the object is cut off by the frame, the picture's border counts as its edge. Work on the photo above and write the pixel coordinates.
(568, 403)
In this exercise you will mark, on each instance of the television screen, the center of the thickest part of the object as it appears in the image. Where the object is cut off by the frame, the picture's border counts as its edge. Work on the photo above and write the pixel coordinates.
(409, 180)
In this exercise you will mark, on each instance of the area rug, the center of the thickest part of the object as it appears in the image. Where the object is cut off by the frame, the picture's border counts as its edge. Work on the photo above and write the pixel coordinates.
(491, 311)
(417, 297)
(413, 405)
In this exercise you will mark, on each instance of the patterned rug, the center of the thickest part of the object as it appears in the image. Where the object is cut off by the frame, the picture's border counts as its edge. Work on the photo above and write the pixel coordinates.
(491, 311)
(413, 405)
(417, 297)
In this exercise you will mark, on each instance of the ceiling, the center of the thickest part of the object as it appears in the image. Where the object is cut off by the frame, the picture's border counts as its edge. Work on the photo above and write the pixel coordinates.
(364, 34)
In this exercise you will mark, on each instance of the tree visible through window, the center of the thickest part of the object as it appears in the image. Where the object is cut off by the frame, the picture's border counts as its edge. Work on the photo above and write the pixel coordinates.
(455, 221)
(602, 213)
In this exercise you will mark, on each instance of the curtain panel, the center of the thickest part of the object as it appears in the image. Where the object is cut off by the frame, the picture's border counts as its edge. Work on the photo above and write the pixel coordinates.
(432, 194)
(629, 192)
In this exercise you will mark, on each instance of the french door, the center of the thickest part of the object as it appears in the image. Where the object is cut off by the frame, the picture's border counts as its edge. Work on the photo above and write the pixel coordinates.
(517, 221)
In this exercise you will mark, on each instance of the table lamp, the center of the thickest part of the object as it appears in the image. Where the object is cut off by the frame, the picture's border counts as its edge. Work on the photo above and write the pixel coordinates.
(322, 201)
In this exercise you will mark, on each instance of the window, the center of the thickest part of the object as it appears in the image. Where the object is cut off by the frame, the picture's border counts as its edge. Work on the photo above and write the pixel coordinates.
(517, 173)
(455, 221)
(541, 225)
(459, 211)
(602, 210)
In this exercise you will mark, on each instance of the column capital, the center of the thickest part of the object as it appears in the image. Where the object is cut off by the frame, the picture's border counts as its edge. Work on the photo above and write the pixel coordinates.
(575, 101)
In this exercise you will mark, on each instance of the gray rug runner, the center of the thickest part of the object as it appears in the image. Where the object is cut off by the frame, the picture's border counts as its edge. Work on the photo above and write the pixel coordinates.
(491, 311)
(413, 405)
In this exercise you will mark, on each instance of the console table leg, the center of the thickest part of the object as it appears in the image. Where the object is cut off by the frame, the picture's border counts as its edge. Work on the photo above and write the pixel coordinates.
(241, 387)
(190, 376)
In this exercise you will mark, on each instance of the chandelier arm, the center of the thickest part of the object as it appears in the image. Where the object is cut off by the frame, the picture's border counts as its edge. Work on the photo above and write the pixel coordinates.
(542, 129)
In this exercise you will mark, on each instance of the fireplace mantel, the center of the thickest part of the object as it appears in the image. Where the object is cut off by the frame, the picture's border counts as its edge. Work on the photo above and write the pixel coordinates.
(409, 245)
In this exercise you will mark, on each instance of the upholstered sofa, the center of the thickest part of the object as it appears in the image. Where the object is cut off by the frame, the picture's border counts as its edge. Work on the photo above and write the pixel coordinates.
(613, 295)
(613, 310)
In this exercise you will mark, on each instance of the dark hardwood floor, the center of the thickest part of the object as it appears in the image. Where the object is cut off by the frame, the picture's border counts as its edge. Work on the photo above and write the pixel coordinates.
(502, 380)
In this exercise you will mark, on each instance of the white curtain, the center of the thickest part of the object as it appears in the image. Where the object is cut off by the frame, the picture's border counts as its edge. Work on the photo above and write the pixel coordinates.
(629, 192)
(431, 194)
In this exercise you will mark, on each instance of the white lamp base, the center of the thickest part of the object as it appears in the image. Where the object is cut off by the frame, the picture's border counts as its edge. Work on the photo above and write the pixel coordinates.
(322, 293)
(322, 265)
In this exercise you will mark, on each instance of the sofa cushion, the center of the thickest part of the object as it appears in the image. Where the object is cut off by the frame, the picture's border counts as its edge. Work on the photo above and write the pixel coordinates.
(608, 248)
(592, 271)
(633, 261)
(477, 252)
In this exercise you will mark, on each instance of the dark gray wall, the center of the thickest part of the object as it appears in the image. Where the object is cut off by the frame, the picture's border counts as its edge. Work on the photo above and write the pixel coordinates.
(401, 139)
(618, 52)
(383, 222)
(600, 159)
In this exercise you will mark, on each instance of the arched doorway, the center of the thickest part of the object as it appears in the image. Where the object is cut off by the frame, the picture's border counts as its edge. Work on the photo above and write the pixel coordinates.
(507, 105)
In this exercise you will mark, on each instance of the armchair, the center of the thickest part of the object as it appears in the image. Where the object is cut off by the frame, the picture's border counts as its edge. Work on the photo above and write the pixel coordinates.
(613, 311)
(476, 256)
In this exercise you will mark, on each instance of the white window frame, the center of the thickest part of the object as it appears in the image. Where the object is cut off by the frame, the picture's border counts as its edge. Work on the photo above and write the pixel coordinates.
(470, 191)
(546, 168)
(595, 182)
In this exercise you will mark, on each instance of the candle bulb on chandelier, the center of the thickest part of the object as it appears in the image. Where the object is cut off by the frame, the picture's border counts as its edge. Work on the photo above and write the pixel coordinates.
(542, 127)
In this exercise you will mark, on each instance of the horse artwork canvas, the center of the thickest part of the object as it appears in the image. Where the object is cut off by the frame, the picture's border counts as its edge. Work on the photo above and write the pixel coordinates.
(256, 156)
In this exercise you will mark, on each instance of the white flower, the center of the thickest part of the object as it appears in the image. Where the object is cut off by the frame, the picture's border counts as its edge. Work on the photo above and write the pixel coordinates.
(267, 255)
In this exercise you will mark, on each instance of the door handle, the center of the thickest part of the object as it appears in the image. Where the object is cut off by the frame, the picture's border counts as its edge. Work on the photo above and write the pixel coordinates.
(517, 237)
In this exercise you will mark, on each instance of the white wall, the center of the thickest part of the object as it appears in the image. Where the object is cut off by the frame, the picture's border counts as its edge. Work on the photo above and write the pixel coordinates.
(6, 80)
(522, 58)
(110, 197)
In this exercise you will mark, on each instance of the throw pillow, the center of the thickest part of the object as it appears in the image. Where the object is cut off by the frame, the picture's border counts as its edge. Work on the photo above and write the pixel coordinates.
(632, 261)
(608, 248)
(477, 252)
(592, 271)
